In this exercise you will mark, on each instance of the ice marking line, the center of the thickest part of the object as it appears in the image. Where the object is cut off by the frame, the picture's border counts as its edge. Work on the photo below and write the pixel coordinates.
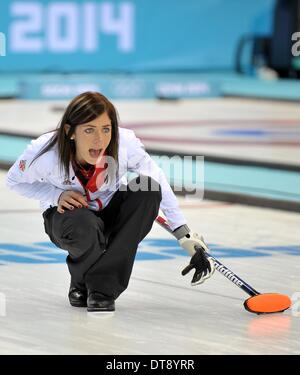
(19, 211)
(216, 122)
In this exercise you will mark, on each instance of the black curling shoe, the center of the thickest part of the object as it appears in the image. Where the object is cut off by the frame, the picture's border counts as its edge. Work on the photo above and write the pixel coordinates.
(98, 302)
(78, 297)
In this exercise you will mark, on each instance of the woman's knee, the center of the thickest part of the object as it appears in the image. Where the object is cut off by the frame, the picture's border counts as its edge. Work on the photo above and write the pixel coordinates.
(77, 224)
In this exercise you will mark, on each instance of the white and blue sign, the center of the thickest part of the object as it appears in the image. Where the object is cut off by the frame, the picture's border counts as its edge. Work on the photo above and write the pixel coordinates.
(127, 35)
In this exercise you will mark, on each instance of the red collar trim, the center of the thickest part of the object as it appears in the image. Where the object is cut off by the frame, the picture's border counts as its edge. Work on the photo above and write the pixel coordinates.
(95, 176)
(96, 181)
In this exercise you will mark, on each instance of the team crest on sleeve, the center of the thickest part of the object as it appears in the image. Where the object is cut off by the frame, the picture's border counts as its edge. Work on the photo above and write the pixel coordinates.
(67, 182)
(22, 165)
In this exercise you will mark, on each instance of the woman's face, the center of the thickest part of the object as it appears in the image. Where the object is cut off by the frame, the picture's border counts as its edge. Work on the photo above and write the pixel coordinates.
(92, 139)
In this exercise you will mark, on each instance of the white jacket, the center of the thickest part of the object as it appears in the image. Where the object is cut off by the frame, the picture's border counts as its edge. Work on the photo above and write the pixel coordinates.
(44, 180)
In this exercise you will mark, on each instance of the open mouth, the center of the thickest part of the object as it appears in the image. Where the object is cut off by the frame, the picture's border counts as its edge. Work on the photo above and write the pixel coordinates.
(95, 153)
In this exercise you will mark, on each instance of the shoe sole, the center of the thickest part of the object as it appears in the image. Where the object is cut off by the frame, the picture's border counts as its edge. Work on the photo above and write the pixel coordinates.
(90, 309)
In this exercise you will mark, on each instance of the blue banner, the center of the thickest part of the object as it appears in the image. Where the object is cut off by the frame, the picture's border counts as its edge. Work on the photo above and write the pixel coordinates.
(126, 35)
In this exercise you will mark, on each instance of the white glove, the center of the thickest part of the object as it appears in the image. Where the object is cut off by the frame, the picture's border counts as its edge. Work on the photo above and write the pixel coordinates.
(196, 247)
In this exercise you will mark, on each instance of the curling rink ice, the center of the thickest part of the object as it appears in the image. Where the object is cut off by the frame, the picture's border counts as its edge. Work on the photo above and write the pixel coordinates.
(159, 313)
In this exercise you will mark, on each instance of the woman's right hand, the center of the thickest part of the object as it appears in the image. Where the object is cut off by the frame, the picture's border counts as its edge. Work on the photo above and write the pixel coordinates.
(70, 199)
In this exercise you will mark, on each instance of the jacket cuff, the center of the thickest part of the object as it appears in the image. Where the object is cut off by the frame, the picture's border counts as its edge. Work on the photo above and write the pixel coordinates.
(181, 231)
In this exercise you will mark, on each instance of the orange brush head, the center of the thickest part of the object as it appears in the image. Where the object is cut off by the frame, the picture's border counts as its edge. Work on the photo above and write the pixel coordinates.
(267, 303)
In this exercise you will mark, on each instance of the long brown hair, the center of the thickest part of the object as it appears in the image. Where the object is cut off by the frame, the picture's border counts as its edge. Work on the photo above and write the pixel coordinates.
(82, 109)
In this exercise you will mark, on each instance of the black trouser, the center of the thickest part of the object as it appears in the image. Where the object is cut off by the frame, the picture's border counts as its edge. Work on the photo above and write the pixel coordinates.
(102, 245)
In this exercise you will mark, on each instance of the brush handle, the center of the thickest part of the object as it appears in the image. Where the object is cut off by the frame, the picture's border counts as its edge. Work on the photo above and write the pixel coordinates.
(218, 265)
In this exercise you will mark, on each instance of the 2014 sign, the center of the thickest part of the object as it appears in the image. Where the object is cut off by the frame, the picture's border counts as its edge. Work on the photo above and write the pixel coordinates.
(66, 27)
(296, 46)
